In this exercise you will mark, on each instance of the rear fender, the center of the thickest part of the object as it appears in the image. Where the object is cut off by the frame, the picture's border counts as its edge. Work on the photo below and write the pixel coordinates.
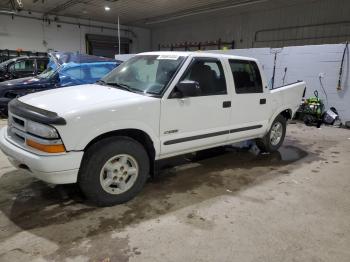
(278, 112)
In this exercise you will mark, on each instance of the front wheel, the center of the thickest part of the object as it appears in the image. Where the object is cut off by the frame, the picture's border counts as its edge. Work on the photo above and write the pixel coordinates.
(272, 141)
(113, 171)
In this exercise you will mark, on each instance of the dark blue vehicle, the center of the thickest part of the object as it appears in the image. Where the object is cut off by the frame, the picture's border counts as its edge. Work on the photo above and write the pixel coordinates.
(64, 69)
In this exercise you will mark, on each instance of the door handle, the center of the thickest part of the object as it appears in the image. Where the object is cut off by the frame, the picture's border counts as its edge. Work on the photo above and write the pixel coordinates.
(226, 104)
(262, 101)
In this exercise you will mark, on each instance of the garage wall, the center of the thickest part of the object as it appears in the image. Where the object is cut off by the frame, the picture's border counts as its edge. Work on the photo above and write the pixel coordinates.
(35, 35)
(304, 23)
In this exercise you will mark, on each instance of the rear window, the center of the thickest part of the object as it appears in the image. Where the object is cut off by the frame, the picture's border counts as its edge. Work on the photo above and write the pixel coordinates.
(246, 76)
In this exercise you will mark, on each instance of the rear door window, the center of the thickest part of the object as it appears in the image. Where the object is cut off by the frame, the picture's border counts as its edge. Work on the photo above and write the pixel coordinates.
(246, 76)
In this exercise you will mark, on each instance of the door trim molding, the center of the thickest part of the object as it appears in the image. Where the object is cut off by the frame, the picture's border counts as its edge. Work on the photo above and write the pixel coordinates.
(220, 133)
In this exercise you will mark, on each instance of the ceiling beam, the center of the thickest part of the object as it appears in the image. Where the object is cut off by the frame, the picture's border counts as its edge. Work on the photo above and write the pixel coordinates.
(200, 10)
(65, 5)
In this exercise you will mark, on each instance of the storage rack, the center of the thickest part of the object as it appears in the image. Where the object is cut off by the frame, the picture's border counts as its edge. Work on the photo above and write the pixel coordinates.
(6, 54)
(194, 46)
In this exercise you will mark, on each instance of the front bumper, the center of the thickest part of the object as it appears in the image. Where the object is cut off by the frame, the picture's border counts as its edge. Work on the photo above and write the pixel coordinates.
(55, 169)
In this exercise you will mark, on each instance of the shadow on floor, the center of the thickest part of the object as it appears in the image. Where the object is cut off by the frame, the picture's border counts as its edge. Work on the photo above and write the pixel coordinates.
(59, 213)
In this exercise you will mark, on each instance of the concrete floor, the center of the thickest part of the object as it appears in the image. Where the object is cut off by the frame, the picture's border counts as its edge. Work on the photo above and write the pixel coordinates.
(224, 205)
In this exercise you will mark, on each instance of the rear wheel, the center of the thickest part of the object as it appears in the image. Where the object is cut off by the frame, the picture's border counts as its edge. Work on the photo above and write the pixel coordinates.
(113, 171)
(275, 137)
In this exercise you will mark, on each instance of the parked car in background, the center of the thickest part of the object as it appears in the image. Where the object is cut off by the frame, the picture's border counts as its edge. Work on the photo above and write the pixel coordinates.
(64, 69)
(23, 66)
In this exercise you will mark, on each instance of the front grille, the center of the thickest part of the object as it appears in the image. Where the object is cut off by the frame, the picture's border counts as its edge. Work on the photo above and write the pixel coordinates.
(18, 121)
(16, 129)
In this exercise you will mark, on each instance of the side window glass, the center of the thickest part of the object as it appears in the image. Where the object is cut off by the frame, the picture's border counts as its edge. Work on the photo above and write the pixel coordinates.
(210, 76)
(97, 72)
(72, 76)
(23, 66)
(41, 65)
(246, 76)
(75, 73)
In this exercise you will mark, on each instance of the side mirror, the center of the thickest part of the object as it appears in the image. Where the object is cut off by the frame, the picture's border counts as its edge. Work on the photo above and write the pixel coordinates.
(186, 88)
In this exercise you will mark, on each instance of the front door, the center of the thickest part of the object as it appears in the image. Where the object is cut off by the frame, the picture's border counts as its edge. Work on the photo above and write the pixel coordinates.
(200, 120)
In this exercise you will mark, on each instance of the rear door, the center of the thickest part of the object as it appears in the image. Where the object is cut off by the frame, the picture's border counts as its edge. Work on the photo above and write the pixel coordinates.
(200, 121)
(250, 109)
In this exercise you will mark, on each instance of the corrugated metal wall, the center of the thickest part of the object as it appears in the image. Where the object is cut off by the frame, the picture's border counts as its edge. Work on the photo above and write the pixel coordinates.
(306, 23)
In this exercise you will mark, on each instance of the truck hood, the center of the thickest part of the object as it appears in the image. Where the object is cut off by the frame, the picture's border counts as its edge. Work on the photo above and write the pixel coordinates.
(75, 99)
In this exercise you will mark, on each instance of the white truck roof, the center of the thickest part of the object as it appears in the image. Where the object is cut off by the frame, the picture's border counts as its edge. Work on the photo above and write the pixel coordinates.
(197, 54)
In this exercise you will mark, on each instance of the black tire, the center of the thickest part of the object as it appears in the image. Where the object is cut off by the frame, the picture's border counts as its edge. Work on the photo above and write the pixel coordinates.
(309, 120)
(264, 144)
(97, 156)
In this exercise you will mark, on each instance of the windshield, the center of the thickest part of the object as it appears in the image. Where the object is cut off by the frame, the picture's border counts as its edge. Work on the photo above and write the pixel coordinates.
(48, 73)
(148, 74)
(4, 64)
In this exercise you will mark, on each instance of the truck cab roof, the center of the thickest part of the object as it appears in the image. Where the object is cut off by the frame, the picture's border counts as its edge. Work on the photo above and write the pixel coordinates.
(198, 54)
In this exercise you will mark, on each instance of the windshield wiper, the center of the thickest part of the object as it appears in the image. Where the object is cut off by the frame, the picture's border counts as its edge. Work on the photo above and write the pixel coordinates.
(102, 82)
(122, 86)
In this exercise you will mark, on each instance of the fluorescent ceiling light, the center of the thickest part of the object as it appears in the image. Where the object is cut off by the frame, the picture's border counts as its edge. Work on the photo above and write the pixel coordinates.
(107, 8)
(204, 10)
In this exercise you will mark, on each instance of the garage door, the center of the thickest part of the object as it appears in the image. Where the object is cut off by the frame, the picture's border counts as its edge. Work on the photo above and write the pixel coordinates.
(107, 46)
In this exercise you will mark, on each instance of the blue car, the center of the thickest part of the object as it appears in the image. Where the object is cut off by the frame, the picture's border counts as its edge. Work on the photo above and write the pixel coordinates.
(64, 69)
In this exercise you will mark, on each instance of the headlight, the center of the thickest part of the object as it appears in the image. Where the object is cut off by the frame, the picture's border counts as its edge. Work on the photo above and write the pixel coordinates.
(41, 130)
(43, 137)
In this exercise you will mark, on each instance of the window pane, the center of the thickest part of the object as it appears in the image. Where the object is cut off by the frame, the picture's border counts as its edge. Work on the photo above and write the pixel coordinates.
(25, 66)
(74, 73)
(246, 76)
(41, 65)
(146, 73)
(210, 76)
(97, 72)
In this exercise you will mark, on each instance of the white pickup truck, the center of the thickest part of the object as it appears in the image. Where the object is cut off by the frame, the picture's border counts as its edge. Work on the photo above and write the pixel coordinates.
(108, 136)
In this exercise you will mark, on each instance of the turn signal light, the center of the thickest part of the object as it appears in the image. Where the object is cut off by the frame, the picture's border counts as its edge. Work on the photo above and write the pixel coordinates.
(59, 148)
